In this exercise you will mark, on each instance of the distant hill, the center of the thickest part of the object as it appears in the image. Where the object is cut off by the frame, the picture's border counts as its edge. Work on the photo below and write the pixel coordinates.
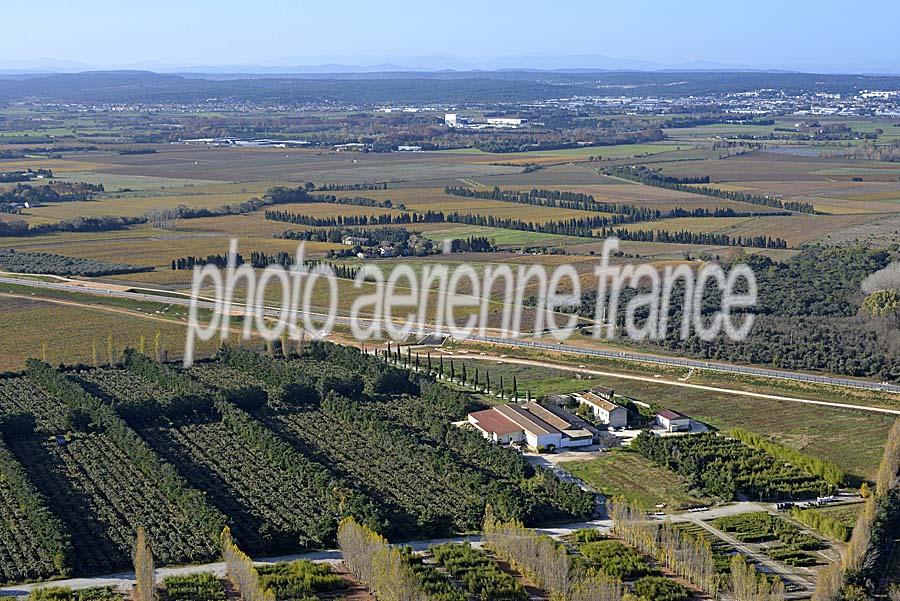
(418, 87)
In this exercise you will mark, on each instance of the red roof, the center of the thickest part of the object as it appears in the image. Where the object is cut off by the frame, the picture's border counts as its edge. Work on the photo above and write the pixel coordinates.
(495, 422)
(670, 415)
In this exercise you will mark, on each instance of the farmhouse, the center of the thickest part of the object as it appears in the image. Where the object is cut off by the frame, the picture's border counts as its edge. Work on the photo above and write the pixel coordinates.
(355, 241)
(600, 402)
(672, 421)
(542, 428)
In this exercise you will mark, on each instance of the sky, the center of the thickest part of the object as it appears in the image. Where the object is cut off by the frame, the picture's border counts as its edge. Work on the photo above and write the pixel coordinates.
(821, 36)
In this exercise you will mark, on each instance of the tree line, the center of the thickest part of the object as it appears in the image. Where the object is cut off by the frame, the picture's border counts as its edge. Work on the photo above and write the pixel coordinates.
(51, 192)
(649, 177)
(691, 557)
(40, 262)
(865, 561)
(355, 220)
(625, 213)
(581, 227)
(688, 237)
(258, 260)
(20, 227)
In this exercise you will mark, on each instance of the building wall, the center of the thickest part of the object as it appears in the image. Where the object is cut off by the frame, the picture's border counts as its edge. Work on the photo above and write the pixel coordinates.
(618, 417)
(675, 425)
(579, 442)
(542, 441)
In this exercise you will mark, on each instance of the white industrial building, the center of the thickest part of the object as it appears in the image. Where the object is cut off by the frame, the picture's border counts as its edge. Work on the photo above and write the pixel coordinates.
(505, 121)
(672, 421)
(541, 428)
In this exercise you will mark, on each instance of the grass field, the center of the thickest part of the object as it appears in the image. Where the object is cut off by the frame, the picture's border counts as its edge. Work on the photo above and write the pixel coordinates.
(626, 473)
(845, 514)
(573, 154)
(69, 332)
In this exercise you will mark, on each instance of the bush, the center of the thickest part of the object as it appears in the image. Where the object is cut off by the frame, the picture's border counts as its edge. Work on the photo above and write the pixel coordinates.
(657, 588)
(298, 580)
(616, 560)
(196, 587)
(478, 573)
(761, 526)
(588, 535)
(828, 526)
(52, 593)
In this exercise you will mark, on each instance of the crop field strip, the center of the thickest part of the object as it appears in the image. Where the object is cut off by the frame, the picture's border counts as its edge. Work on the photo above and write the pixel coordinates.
(94, 423)
(83, 481)
(25, 552)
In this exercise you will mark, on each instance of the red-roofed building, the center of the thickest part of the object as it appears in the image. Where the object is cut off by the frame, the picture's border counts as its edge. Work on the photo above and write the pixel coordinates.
(496, 426)
(539, 427)
(672, 421)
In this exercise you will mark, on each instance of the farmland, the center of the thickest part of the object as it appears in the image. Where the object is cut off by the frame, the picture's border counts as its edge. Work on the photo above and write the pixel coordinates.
(396, 463)
(217, 434)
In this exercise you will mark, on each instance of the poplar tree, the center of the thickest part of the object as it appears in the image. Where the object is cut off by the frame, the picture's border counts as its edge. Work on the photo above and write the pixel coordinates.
(157, 345)
(110, 350)
(145, 589)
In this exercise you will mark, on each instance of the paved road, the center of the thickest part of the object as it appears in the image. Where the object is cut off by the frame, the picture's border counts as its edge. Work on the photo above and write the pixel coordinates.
(166, 296)
(125, 580)
(608, 374)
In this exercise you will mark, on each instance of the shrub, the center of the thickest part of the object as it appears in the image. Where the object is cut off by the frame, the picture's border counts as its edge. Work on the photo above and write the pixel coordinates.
(615, 559)
(657, 588)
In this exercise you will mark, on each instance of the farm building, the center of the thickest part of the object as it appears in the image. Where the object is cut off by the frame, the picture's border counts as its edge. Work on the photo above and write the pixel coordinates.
(672, 421)
(355, 241)
(600, 402)
(542, 428)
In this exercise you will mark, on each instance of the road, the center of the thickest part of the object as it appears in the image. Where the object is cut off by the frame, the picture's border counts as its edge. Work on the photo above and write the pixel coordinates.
(805, 583)
(166, 296)
(608, 374)
(125, 580)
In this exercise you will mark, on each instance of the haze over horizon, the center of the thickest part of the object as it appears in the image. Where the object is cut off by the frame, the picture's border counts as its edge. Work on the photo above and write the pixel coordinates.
(284, 36)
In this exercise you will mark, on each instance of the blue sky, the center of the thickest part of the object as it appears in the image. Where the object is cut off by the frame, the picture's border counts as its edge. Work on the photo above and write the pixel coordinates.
(804, 35)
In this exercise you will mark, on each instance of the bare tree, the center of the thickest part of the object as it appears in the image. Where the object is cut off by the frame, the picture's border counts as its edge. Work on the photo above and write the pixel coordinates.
(163, 218)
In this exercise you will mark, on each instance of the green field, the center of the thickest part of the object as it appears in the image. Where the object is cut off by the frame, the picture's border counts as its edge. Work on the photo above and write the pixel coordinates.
(626, 473)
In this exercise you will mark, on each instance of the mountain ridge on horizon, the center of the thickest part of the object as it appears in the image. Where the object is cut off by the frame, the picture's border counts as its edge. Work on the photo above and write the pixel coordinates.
(585, 63)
